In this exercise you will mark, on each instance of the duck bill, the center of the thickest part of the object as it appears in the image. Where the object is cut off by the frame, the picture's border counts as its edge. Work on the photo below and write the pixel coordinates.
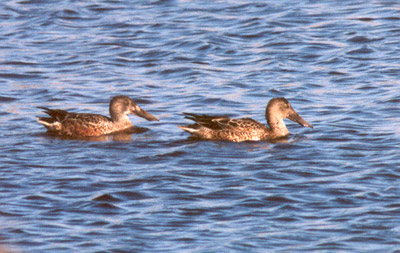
(142, 113)
(296, 118)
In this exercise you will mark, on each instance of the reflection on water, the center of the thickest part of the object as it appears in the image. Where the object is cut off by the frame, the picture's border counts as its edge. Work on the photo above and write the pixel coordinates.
(122, 136)
(331, 188)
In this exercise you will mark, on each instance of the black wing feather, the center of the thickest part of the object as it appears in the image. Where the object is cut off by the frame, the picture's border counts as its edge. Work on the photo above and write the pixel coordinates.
(211, 122)
(56, 114)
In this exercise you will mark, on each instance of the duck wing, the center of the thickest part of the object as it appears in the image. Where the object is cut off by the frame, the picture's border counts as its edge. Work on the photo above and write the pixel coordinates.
(211, 122)
(70, 118)
(223, 123)
(246, 124)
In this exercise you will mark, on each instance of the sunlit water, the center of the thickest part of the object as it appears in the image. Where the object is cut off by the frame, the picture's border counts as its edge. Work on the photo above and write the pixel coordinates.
(331, 188)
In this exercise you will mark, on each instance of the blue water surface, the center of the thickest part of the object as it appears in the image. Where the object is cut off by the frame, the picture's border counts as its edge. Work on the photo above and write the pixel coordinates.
(328, 189)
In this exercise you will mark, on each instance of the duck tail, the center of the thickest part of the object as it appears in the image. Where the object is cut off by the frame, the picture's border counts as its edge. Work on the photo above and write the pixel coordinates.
(190, 128)
(50, 124)
(55, 114)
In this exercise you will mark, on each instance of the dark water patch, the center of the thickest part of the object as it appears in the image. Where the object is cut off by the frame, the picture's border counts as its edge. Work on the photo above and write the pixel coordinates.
(7, 99)
(136, 182)
(252, 203)
(131, 195)
(278, 200)
(9, 214)
(286, 219)
(18, 76)
(172, 154)
(107, 207)
(393, 18)
(19, 63)
(36, 198)
(363, 39)
(362, 50)
(193, 211)
(395, 206)
(336, 73)
(366, 19)
(68, 14)
(106, 198)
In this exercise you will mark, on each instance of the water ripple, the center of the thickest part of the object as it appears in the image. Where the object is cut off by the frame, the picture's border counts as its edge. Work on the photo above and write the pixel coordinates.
(331, 188)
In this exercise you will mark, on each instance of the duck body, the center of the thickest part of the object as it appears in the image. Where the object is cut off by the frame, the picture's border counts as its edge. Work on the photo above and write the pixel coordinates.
(245, 129)
(62, 122)
(80, 124)
(224, 128)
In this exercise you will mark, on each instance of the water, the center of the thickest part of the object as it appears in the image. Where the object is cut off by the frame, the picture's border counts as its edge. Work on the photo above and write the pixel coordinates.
(331, 188)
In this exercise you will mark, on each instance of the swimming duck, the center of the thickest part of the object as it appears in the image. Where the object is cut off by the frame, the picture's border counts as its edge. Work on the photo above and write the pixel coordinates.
(86, 124)
(245, 129)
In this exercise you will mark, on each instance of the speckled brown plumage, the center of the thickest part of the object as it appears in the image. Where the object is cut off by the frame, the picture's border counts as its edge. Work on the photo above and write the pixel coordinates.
(86, 124)
(245, 129)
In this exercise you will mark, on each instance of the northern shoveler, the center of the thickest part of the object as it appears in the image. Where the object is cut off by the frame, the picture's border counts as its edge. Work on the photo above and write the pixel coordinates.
(86, 124)
(245, 129)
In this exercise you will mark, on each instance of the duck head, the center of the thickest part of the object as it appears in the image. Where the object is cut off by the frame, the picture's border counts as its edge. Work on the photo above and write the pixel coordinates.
(121, 106)
(279, 109)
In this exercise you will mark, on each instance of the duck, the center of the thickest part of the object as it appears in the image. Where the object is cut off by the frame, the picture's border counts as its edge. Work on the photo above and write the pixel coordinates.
(221, 128)
(72, 124)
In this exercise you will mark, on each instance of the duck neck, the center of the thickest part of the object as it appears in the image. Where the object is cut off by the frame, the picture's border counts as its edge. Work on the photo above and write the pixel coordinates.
(277, 126)
(121, 119)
